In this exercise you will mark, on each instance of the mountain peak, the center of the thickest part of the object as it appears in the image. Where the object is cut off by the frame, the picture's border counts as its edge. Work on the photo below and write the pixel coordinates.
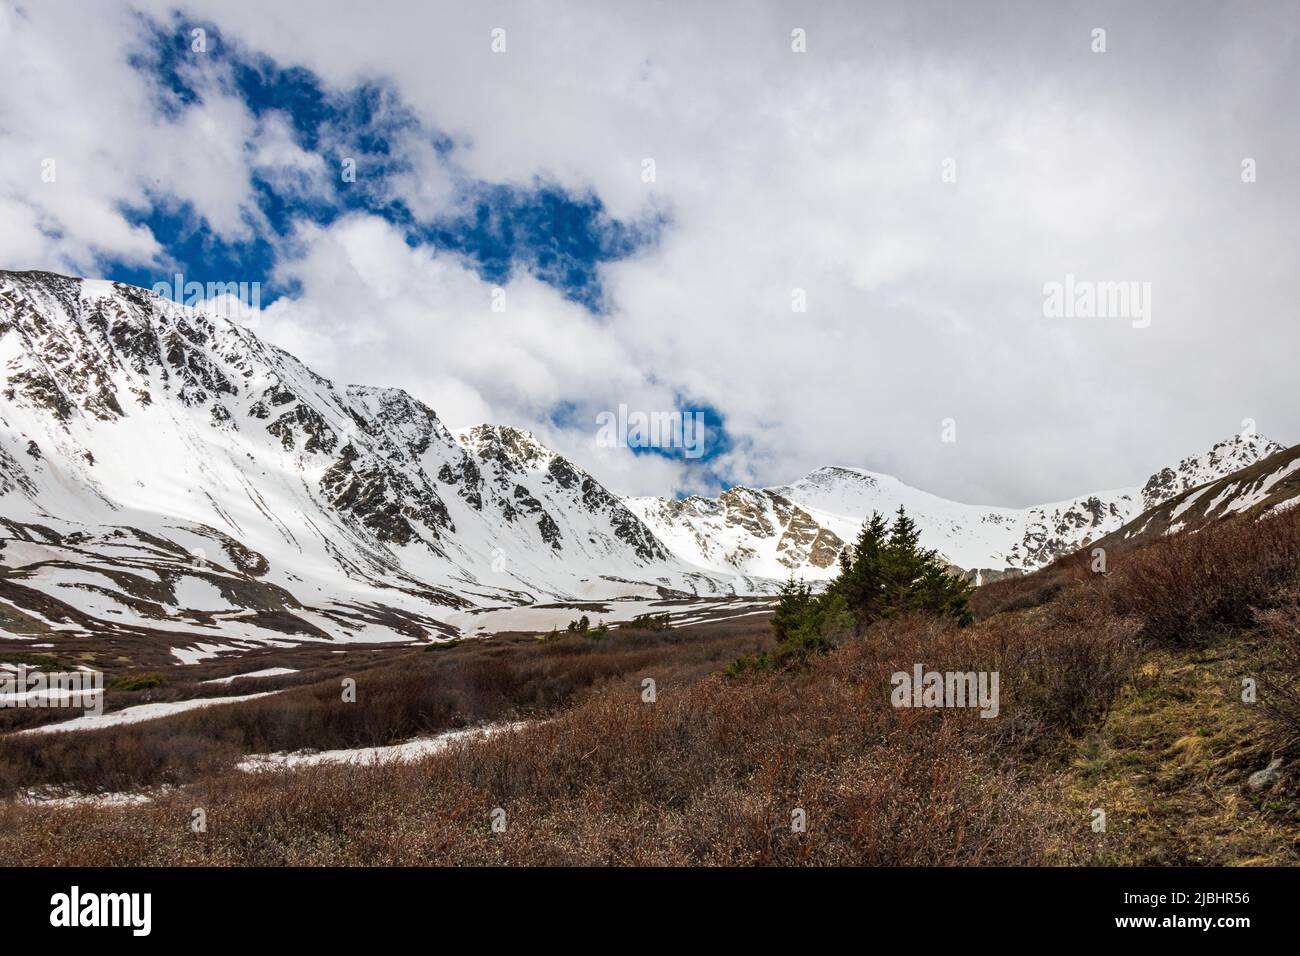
(1231, 454)
(516, 444)
(165, 472)
(135, 432)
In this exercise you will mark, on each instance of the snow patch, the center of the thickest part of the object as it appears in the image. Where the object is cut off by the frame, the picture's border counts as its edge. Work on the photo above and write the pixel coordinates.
(266, 672)
(402, 753)
(139, 713)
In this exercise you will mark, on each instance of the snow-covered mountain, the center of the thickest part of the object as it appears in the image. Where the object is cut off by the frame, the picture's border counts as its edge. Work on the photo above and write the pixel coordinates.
(166, 470)
(1271, 484)
(799, 528)
(1241, 451)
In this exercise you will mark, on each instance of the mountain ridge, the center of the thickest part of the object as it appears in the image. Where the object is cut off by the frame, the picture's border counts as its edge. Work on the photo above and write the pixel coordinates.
(746, 530)
(164, 470)
(126, 416)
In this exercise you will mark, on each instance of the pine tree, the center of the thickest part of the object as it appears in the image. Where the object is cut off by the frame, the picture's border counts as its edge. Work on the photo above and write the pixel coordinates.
(918, 579)
(861, 581)
(887, 572)
(792, 610)
(941, 592)
(884, 573)
(903, 563)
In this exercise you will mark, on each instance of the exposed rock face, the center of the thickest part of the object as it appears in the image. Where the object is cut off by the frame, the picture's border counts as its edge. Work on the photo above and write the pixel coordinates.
(1240, 451)
(1271, 484)
(1053, 530)
(135, 433)
(745, 531)
(167, 471)
(516, 454)
(801, 527)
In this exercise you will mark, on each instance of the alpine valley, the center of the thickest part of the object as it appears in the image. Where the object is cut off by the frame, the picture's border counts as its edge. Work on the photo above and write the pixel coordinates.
(165, 472)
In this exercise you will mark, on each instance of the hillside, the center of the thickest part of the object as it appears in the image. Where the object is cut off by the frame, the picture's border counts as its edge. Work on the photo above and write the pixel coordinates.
(1120, 695)
(799, 528)
(164, 472)
(1269, 485)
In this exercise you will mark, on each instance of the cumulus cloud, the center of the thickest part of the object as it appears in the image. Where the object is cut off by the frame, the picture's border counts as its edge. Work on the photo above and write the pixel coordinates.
(373, 309)
(776, 171)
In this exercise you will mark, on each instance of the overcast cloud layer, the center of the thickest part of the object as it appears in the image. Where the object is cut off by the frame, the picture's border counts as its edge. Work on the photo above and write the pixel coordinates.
(775, 171)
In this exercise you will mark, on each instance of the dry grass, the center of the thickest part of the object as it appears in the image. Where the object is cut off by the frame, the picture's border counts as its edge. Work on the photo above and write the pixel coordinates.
(1279, 665)
(1170, 763)
(400, 695)
(1118, 691)
(711, 772)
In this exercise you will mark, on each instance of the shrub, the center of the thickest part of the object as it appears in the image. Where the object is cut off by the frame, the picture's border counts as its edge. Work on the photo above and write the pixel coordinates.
(44, 662)
(402, 695)
(885, 574)
(708, 775)
(1022, 592)
(1062, 674)
(137, 681)
(1186, 587)
(1279, 682)
(647, 622)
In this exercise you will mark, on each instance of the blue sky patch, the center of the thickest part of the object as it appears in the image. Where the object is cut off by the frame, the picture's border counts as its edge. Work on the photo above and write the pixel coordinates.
(558, 236)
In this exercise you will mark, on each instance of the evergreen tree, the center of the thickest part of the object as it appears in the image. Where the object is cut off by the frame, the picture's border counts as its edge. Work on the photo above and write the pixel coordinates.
(903, 563)
(917, 579)
(884, 573)
(862, 582)
(940, 592)
(792, 610)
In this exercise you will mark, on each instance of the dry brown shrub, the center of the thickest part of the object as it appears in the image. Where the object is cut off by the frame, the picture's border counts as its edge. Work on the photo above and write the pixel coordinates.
(1186, 588)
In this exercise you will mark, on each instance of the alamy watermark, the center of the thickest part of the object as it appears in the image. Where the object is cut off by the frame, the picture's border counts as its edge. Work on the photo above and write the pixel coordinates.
(29, 687)
(237, 301)
(923, 688)
(74, 908)
(1085, 299)
(684, 430)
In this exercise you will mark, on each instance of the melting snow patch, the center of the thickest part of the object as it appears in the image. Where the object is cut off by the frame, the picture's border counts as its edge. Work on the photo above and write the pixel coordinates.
(403, 752)
(267, 672)
(198, 594)
(1220, 497)
(200, 652)
(1187, 503)
(139, 713)
(46, 797)
(51, 697)
(1248, 499)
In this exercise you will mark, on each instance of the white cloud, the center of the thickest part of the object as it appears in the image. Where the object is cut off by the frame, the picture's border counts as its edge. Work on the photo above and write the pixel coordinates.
(819, 171)
(375, 311)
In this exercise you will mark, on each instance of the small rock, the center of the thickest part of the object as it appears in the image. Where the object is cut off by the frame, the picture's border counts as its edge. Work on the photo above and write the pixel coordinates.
(1266, 777)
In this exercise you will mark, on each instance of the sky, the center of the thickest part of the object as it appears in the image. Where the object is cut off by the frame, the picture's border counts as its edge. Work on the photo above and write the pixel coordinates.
(829, 229)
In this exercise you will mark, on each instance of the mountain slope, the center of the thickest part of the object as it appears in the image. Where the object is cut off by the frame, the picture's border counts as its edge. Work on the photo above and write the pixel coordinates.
(166, 470)
(1271, 484)
(795, 528)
